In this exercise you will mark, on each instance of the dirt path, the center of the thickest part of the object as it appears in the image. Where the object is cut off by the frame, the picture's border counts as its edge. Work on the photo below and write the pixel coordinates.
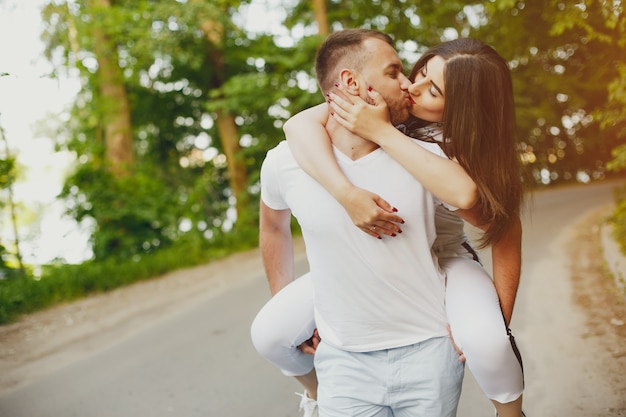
(597, 293)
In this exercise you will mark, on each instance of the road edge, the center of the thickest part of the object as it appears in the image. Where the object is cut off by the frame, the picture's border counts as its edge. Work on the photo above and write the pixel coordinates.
(613, 256)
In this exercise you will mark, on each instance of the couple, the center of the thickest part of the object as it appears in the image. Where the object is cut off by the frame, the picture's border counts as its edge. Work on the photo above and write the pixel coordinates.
(380, 304)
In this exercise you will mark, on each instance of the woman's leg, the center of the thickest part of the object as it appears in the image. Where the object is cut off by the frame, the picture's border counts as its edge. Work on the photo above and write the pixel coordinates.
(283, 323)
(478, 329)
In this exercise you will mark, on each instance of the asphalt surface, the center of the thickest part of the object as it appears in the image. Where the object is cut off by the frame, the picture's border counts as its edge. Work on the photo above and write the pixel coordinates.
(190, 354)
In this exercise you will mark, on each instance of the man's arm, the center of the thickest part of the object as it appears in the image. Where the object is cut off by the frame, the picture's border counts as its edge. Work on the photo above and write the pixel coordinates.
(276, 245)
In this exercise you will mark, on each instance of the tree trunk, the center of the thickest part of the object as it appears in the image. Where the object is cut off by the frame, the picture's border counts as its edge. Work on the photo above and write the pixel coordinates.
(321, 17)
(115, 105)
(237, 173)
(227, 129)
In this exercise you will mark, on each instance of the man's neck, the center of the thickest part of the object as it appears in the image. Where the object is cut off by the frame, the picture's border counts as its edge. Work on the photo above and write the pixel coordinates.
(351, 145)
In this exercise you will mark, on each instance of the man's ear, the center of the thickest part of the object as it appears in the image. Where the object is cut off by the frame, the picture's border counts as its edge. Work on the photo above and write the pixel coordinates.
(349, 81)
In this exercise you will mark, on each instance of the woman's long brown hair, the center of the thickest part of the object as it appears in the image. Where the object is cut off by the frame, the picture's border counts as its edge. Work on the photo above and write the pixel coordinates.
(480, 129)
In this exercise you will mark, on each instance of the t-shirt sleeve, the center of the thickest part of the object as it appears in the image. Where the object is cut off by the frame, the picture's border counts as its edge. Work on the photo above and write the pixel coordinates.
(270, 185)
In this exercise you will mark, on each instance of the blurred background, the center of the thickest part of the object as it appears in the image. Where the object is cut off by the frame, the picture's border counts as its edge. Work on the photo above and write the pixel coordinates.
(132, 132)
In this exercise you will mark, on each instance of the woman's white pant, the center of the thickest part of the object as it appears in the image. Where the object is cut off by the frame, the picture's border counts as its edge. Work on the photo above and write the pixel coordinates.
(283, 323)
(473, 311)
(478, 328)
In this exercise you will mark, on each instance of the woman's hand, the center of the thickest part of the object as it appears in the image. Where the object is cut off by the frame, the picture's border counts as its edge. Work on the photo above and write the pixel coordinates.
(371, 213)
(368, 119)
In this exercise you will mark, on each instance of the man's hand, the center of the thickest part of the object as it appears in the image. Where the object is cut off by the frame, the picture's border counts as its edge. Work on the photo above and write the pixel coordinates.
(309, 346)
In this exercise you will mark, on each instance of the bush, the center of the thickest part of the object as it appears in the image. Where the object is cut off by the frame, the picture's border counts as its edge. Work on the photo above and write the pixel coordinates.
(62, 283)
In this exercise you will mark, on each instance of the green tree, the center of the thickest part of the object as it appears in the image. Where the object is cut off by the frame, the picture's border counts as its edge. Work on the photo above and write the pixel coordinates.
(126, 179)
(607, 29)
(10, 261)
(206, 101)
(560, 73)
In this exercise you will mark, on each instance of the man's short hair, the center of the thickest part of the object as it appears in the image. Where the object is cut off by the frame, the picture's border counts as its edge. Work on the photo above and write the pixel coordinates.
(343, 49)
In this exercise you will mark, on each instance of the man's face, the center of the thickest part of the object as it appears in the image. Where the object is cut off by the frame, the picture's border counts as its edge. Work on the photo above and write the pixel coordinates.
(383, 72)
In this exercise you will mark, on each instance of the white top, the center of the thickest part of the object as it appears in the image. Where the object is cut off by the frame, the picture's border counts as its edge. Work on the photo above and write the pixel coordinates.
(370, 294)
(450, 235)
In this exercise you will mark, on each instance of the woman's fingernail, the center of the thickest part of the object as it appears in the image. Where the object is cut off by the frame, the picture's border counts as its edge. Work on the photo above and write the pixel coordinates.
(369, 88)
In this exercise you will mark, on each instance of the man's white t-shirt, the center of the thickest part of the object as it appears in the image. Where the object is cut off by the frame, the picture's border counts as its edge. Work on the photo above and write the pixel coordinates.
(370, 294)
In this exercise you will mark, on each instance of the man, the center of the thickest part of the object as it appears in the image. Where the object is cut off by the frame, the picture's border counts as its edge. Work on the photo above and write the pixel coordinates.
(379, 304)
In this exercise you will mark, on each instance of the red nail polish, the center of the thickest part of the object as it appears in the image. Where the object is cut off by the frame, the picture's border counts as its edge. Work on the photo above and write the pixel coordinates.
(395, 210)
(337, 85)
(369, 88)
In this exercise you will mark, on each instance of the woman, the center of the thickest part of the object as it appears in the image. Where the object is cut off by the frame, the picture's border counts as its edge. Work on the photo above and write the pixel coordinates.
(462, 92)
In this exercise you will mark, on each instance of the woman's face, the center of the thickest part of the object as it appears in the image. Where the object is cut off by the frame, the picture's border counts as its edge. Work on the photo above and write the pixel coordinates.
(428, 91)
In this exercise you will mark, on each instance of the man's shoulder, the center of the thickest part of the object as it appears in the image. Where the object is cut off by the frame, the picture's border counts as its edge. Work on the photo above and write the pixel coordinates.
(280, 157)
(280, 150)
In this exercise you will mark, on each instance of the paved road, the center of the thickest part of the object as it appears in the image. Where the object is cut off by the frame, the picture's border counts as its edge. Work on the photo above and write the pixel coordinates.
(565, 372)
(199, 361)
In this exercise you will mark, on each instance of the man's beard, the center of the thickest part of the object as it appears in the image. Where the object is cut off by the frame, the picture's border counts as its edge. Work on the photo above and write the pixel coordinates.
(398, 111)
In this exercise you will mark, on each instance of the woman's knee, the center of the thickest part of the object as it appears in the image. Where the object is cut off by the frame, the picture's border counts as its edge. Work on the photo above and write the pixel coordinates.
(266, 336)
(492, 352)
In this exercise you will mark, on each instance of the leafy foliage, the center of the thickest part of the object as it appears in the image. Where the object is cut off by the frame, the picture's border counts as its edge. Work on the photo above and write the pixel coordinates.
(11, 265)
(187, 62)
(188, 65)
